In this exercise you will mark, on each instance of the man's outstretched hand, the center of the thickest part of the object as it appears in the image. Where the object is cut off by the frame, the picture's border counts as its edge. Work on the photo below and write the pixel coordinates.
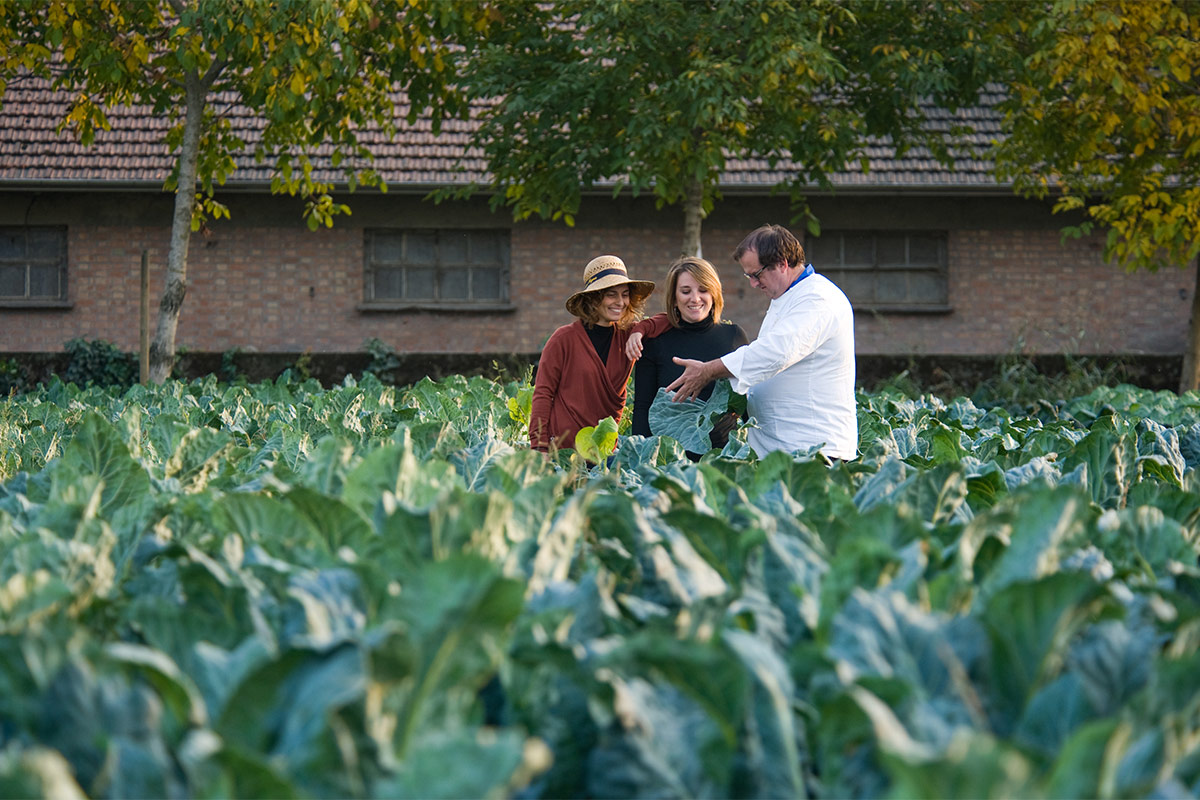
(696, 375)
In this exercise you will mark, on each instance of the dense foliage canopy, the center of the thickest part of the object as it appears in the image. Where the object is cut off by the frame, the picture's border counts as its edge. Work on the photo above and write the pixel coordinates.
(1104, 112)
(312, 74)
(658, 96)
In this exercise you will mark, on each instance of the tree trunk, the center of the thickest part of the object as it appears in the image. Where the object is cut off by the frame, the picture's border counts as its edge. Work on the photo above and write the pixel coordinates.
(1190, 379)
(162, 349)
(693, 213)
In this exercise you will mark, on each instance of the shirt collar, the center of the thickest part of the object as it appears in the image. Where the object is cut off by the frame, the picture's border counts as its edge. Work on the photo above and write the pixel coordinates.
(808, 270)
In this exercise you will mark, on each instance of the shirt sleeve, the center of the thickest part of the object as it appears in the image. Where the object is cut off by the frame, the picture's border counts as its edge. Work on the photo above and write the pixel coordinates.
(645, 387)
(793, 335)
(653, 326)
(545, 392)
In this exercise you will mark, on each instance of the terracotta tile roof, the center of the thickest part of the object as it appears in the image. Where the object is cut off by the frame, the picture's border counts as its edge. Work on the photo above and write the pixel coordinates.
(132, 152)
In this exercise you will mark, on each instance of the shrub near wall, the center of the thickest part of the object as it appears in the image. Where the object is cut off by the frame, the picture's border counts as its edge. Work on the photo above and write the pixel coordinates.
(939, 374)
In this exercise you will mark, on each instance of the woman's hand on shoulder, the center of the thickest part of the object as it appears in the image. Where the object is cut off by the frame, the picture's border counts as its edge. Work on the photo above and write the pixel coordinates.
(633, 347)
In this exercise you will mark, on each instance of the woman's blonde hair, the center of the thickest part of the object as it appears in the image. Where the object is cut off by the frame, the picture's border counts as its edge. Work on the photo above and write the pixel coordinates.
(705, 275)
(588, 308)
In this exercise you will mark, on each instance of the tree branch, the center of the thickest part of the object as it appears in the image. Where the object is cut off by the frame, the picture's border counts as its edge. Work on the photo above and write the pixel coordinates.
(1184, 87)
(214, 69)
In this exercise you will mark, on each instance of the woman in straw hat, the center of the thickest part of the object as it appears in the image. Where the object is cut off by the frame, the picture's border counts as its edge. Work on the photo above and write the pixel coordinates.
(584, 368)
(694, 302)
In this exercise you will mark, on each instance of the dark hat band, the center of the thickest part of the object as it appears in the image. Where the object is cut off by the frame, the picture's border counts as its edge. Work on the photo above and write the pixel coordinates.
(604, 273)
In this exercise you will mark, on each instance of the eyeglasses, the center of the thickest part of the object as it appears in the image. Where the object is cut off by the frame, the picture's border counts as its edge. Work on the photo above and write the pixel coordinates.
(753, 276)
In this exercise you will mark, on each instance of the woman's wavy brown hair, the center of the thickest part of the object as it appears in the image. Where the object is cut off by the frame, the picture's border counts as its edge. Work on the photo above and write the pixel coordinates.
(705, 275)
(589, 309)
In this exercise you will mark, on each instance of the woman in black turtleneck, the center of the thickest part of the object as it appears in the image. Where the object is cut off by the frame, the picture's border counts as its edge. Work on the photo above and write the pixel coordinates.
(694, 302)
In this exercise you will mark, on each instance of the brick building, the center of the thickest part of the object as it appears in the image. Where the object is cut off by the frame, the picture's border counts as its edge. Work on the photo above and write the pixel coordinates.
(936, 261)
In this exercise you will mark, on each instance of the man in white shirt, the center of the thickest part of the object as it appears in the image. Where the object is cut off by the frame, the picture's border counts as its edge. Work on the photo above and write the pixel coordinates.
(798, 374)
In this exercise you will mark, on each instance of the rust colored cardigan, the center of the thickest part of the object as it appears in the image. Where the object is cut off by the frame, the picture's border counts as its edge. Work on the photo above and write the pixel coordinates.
(574, 389)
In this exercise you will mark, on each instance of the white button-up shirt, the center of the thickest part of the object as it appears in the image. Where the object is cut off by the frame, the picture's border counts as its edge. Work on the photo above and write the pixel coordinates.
(798, 374)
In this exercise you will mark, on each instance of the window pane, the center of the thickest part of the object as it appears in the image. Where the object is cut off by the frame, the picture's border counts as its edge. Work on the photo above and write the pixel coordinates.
(929, 287)
(825, 251)
(432, 266)
(419, 284)
(12, 281)
(455, 284)
(485, 284)
(44, 243)
(387, 248)
(860, 248)
(422, 249)
(485, 248)
(886, 268)
(43, 281)
(454, 247)
(389, 284)
(924, 250)
(891, 249)
(858, 286)
(12, 244)
(891, 287)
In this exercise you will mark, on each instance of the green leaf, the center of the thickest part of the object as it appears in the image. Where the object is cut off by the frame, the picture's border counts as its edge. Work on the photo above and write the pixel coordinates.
(1114, 660)
(976, 765)
(268, 521)
(597, 443)
(689, 422)
(466, 763)
(722, 545)
(1143, 540)
(1053, 715)
(776, 740)
(198, 457)
(337, 524)
(882, 635)
(1109, 456)
(663, 742)
(1085, 762)
(1036, 527)
(97, 449)
(164, 674)
(1030, 626)
(37, 772)
(458, 614)
(288, 709)
(707, 672)
(1176, 504)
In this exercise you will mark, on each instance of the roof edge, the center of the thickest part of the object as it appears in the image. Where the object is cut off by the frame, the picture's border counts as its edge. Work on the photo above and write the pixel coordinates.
(734, 190)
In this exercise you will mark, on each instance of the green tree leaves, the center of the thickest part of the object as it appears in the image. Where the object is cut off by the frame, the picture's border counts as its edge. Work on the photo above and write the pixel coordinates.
(1102, 111)
(313, 76)
(656, 96)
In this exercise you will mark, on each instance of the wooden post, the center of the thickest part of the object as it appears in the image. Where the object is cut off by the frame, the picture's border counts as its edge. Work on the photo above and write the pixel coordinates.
(144, 352)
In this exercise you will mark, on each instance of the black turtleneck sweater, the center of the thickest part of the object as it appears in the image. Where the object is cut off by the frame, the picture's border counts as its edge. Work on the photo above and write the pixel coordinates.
(601, 336)
(702, 341)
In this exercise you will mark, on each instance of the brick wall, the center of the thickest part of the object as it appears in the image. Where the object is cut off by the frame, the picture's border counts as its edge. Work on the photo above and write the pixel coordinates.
(276, 287)
(1027, 292)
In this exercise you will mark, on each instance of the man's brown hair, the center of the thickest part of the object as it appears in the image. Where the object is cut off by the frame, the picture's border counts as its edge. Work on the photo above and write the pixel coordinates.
(774, 244)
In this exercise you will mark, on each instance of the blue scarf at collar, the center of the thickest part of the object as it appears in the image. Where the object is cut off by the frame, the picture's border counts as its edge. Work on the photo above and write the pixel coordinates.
(807, 271)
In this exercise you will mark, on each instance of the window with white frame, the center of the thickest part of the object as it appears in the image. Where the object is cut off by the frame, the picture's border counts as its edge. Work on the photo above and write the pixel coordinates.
(33, 264)
(885, 270)
(443, 267)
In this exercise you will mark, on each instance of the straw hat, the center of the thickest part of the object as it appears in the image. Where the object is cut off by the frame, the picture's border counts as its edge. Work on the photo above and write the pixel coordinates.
(604, 272)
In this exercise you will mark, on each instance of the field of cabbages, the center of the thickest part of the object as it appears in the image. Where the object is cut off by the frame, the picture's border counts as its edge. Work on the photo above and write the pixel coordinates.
(276, 590)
